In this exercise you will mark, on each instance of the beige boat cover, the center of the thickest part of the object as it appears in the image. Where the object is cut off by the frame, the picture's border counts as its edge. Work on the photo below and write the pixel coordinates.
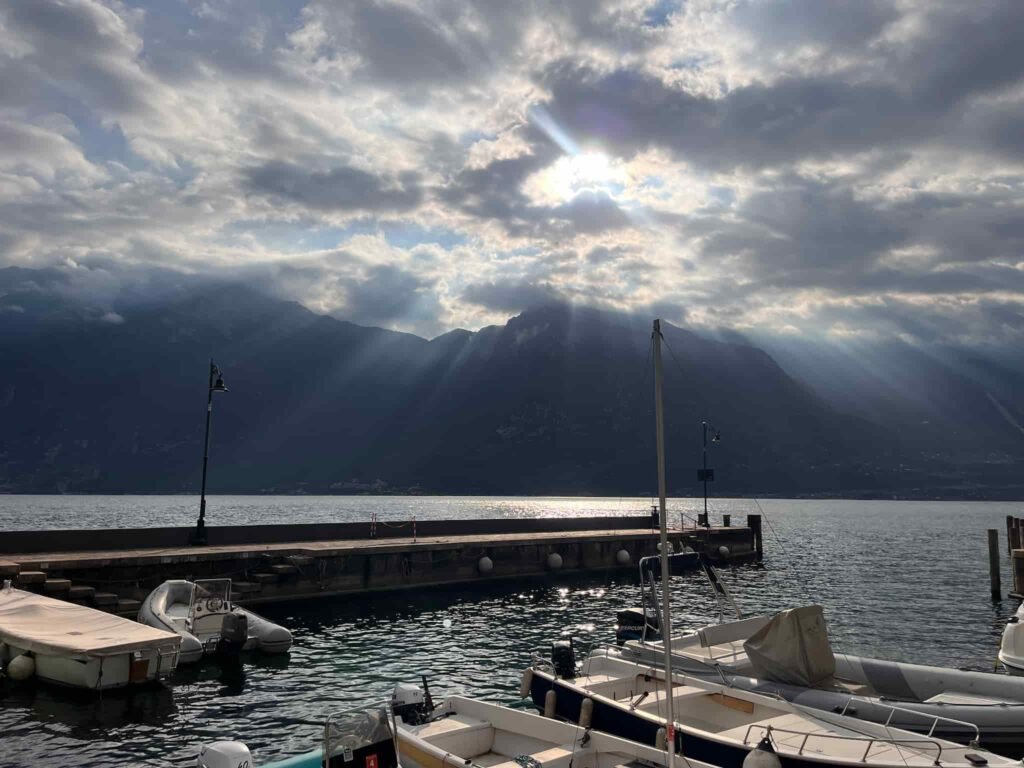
(54, 627)
(793, 648)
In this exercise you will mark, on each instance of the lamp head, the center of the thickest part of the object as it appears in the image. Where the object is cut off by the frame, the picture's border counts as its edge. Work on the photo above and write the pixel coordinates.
(218, 385)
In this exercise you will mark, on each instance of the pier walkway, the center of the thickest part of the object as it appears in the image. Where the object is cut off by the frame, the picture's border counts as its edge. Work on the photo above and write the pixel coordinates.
(274, 563)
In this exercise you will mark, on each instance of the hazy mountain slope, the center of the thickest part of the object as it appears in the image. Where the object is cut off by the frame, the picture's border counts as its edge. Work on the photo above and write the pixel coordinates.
(111, 397)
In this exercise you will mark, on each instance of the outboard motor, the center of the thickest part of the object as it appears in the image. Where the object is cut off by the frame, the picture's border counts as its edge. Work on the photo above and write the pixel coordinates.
(411, 703)
(563, 659)
(233, 634)
(224, 754)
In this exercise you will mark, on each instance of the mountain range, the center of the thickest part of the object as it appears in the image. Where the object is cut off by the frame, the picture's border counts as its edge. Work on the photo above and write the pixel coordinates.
(110, 397)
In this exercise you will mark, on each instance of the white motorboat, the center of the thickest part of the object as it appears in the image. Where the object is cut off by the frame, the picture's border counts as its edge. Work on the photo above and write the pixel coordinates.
(458, 732)
(77, 646)
(203, 615)
(858, 685)
(721, 724)
(1011, 649)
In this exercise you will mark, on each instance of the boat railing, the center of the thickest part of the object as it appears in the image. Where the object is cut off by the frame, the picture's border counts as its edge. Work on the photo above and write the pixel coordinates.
(869, 741)
(936, 719)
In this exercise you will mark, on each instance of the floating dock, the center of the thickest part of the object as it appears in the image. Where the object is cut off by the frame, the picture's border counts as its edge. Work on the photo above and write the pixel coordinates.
(115, 569)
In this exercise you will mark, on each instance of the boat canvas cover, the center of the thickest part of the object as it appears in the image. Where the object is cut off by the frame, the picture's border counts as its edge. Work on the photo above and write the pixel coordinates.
(53, 627)
(793, 648)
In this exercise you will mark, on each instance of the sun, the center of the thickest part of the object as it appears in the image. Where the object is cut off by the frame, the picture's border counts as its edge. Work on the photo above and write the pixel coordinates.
(576, 173)
(581, 172)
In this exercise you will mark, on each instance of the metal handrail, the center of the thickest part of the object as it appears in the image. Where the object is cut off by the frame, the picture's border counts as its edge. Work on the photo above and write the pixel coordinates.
(935, 718)
(871, 740)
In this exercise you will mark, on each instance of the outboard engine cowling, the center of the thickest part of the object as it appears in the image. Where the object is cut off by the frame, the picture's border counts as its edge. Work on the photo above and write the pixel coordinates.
(563, 659)
(224, 754)
(233, 634)
(409, 702)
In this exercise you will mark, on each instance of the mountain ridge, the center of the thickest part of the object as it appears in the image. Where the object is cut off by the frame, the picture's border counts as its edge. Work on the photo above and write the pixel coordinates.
(558, 400)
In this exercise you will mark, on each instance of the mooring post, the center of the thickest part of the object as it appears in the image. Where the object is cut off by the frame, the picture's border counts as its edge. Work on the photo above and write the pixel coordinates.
(1017, 566)
(754, 524)
(1013, 537)
(1009, 534)
(993, 564)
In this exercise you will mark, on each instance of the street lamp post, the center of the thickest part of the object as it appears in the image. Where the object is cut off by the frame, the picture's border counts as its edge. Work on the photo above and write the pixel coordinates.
(706, 474)
(214, 386)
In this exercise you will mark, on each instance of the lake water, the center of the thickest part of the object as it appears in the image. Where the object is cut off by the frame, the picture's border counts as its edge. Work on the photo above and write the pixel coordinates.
(901, 580)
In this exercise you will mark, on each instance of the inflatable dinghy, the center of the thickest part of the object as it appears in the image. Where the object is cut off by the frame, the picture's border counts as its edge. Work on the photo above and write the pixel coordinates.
(202, 613)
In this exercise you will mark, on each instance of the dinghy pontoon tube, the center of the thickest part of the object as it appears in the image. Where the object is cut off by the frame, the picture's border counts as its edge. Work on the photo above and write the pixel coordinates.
(78, 646)
(196, 611)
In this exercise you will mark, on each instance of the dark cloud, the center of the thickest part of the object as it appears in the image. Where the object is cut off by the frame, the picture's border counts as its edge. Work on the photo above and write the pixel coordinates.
(511, 296)
(80, 51)
(806, 232)
(341, 188)
(917, 97)
(389, 295)
(832, 23)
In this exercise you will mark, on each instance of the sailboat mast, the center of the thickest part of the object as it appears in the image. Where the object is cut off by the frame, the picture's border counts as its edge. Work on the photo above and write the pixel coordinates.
(666, 610)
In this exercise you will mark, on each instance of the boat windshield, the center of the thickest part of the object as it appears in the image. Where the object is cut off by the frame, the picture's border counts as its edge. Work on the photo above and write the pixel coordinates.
(213, 594)
(364, 734)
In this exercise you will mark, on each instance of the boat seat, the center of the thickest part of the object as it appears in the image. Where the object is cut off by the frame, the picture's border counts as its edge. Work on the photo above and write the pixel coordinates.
(731, 631)
(465, 736)
(177, 611)
(552, 757)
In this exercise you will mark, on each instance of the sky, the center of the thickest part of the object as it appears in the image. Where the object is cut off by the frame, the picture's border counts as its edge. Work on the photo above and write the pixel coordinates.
(849, 169)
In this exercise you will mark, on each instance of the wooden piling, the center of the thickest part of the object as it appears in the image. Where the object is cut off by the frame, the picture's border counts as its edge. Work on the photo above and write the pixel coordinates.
(1017, 565)
(1010, 525)
(993, 564)
(1016, 540)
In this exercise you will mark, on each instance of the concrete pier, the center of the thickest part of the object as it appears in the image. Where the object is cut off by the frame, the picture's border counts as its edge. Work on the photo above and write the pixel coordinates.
(274, 563)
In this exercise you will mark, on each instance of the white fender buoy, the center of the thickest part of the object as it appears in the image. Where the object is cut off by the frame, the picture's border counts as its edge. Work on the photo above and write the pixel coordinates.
(549, 703)
(723, 551)
(622, 557)
(762, 756)
(661, 740)
(586, 713)
(21, 667)
(485, 564)
(526, 684)
(554, 561)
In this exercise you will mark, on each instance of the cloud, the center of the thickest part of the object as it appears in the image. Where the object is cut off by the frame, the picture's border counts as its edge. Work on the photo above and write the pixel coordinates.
(341, 188)
(803, 165)
(511, 296)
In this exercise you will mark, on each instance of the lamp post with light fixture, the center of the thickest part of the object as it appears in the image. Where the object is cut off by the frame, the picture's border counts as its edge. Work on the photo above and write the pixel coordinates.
(706, 474)
(199, 537)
